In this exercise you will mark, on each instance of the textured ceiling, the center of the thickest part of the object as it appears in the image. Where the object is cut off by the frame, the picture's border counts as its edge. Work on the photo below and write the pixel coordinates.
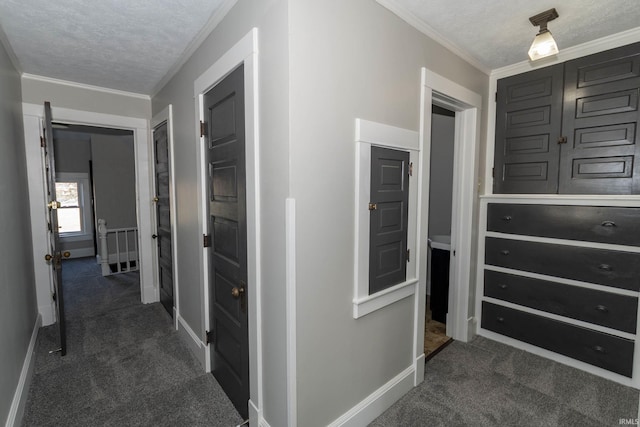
(120, 44)
(498, 32)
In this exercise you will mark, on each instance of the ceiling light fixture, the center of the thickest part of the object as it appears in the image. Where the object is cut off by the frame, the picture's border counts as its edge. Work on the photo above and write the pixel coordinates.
(543, 45)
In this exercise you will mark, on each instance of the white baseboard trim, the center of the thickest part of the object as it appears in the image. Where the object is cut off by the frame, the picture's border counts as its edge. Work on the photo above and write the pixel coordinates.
(418, 375)
(192, 340)
(379, 401)
(16, 411)
(263, 423)
(47, 314)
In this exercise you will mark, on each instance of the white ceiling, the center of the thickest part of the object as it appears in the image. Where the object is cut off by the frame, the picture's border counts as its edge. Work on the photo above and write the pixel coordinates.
(497, 33)
(128, 45)
(134, 45)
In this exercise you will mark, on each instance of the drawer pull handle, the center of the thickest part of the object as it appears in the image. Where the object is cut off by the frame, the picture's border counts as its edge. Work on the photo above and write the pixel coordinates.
(608, 224)
(504, 252)
(502, 286)
(602, 308)
(500, 319)
(599, 349)
(507, 218)
(605, 267)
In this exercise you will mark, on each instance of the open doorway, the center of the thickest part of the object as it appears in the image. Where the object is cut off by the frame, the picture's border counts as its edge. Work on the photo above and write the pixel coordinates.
(96, 177)
(439, 241)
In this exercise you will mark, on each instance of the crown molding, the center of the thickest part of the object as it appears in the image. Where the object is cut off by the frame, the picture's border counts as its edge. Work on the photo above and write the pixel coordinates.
(578, 51)
(211, 24)
(26, 76)
(427, 30)
(10, 52)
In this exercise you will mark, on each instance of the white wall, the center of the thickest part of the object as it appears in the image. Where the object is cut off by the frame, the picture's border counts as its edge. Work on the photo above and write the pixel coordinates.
(348, 59)
(18, 309)
(271, 19)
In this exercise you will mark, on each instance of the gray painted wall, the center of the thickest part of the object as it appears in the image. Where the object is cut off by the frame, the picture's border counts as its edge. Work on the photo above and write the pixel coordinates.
(348, 59)
(441, 174)
(114, 179)
(84, 99)
(18, 308)
(271, 19)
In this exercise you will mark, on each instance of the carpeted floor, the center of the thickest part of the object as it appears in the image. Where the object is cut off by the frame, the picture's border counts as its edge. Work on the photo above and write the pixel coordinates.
(125, 364)
(485, 383)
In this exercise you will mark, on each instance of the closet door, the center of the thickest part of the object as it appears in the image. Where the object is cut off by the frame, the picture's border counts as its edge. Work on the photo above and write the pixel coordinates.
(600, 122)
(528, 121)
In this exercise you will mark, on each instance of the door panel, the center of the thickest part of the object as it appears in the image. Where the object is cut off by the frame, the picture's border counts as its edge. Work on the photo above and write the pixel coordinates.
(388, 220)
(528, 111)
(55, 256)
(224, 112)
(163, 216)
(601, 111)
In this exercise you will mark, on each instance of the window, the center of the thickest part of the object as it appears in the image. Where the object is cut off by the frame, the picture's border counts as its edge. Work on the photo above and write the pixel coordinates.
(69, 213)
(74, 215)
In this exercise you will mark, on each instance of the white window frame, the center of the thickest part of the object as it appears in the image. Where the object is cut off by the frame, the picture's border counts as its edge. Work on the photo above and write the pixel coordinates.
(84, 197)
(370, 134)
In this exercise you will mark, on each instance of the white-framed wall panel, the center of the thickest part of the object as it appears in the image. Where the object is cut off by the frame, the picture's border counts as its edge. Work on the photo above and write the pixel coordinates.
(370, 134)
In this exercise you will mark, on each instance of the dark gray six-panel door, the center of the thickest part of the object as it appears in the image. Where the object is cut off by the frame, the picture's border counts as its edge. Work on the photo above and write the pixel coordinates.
(224, 109)
(389, 208)
(163, 216)
(54, 257)
(528, 123)
(600, 122)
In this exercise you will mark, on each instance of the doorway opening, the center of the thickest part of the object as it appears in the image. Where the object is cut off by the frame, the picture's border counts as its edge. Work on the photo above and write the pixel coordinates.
(439, 240)
(466, 104)
(96, 178)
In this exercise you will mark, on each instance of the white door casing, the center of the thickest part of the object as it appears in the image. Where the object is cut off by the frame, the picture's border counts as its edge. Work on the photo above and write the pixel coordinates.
(32, 117)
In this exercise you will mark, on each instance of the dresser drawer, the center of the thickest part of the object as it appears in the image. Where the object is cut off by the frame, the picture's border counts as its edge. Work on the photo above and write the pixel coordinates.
(616, 225)
(601, 308)
(606, 351)
(611, 268)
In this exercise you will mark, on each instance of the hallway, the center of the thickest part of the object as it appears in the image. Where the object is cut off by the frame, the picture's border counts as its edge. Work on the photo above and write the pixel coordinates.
(125, 364)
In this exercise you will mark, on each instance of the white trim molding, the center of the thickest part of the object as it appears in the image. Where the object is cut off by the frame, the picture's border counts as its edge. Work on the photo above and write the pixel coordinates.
(33, 116)
(192, 340)
(51, 80)
(467, 104)
(368, 134)
(377, 402)
(16, 411)
(166, 116)
(417, 23)
(245, 51)
(290, 261)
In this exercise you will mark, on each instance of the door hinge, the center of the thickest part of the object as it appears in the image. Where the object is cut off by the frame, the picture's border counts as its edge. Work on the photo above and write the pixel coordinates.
(408, 255)
(203, 128)
(206, 240)
(493, 172)
(411, 169)
(373, 206)
(53, 297)
(209, 337)
(562, 140)
(496, 96)
(42, 142)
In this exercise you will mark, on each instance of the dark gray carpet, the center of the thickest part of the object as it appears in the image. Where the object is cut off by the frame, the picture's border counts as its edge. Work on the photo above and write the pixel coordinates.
(485, 383)
(125, 364)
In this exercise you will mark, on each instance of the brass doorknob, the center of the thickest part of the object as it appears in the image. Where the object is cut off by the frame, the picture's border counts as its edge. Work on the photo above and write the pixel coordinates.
(48, 257)
(237, 292)
(66, 254)
(155, 199)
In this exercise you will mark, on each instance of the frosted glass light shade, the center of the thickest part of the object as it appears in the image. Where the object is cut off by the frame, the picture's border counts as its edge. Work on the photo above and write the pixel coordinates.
(543, 45)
